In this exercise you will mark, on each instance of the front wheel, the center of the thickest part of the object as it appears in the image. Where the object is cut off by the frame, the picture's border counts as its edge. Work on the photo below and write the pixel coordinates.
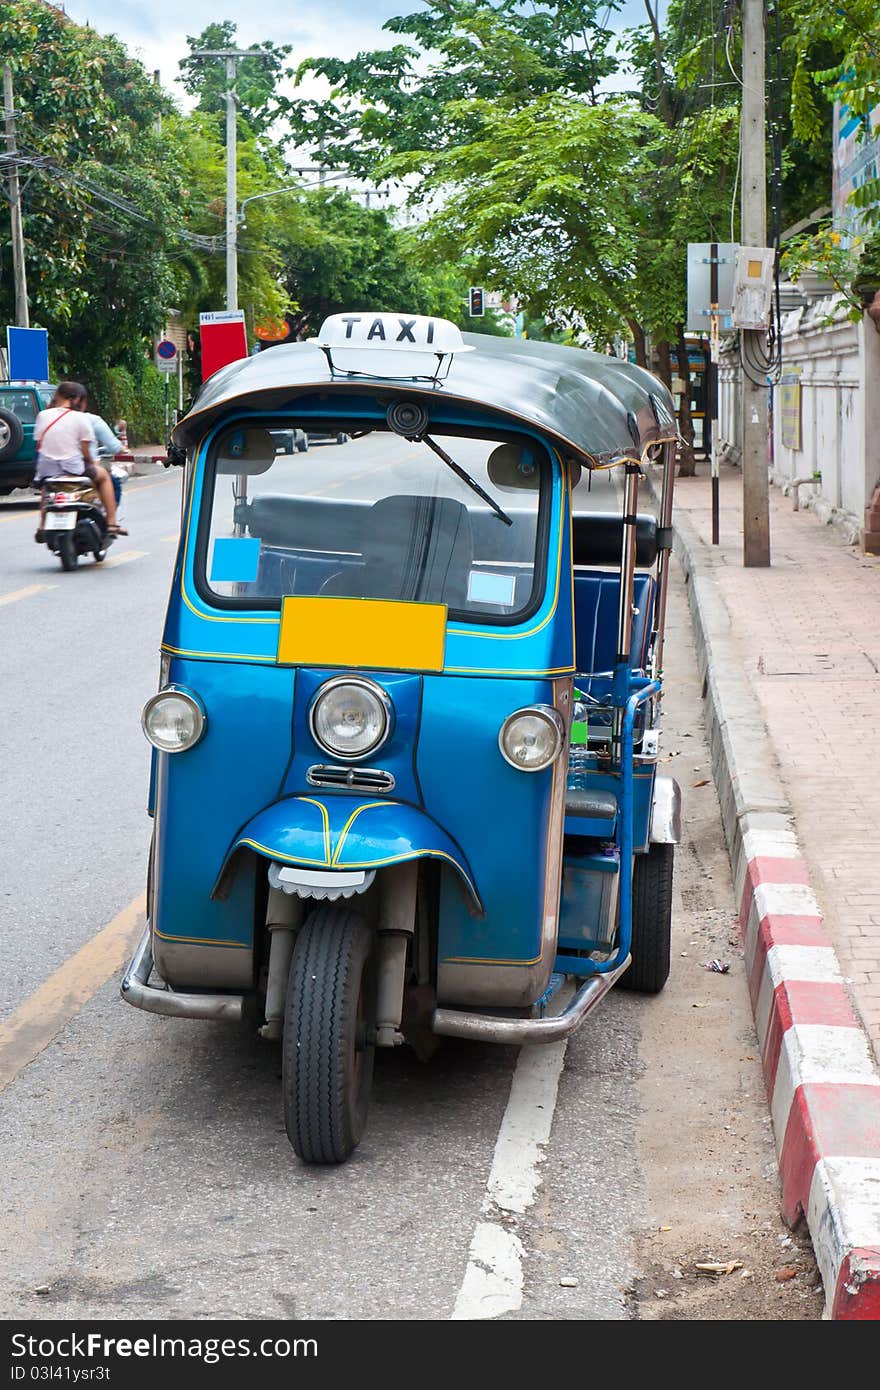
(67, 551)
(651, 920)
(328, 1049)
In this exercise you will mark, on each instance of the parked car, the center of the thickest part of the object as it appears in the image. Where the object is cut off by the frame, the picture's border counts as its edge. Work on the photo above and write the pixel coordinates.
(20, 403)
(327, 437)
(288, 440)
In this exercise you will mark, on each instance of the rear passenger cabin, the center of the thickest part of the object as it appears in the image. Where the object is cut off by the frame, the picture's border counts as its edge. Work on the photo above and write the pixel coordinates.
(591, 862)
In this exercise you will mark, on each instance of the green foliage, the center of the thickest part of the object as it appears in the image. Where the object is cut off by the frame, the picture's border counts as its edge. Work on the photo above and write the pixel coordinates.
(414, 95)
(256, 79)
(135, 394)
(337, 254)
(89, 116)
(851, 265)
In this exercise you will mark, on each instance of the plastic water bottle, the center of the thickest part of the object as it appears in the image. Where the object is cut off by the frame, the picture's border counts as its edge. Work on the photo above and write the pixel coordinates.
(578, 768)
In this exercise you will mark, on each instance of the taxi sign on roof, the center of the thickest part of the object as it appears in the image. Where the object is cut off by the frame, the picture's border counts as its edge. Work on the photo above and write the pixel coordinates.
(398, 331)
(389, 345)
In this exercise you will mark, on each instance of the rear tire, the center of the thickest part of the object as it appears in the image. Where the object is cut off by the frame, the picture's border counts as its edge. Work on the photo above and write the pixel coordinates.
(651, 921)
(328, 1049)
(67, 552)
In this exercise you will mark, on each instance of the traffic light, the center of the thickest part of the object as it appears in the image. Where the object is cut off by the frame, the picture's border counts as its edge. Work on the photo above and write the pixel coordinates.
(475, 302)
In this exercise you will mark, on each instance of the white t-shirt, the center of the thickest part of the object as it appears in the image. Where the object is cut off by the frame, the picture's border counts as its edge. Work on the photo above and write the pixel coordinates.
(59, 433)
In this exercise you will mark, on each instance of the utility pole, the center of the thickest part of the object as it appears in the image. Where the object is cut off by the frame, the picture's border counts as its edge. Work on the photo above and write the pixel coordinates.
(22, 317)
(231, 187)
(231, 56)
(753, 218)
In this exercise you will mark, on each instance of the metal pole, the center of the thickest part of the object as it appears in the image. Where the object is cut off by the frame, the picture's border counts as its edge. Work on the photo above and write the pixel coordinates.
(231, 190)
(712, 403)
(756, 486)
(22, 317)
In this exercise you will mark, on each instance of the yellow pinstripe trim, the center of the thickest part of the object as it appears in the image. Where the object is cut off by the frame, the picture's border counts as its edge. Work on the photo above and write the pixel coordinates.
(530, 632)
(276, 854)
(505, 671)
(204, 941)
(217, 656)
(201, 612)
(352, 818)
(310, 801)
(487, 960)
(415, 854)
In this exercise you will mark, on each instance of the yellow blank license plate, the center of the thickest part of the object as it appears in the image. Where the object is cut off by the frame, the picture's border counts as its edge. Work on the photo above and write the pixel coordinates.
(365, 632)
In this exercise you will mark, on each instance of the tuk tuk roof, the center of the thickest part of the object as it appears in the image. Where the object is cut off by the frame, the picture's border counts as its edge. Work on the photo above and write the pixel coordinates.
(596, 407)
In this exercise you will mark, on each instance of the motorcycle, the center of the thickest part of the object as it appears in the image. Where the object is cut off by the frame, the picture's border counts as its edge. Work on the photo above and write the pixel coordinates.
(74, 522)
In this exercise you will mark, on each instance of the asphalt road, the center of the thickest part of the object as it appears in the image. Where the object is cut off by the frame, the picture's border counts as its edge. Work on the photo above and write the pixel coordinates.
(146, 1169)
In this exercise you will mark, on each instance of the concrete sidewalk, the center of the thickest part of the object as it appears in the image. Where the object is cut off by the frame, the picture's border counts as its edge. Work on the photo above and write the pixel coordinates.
(791, 664)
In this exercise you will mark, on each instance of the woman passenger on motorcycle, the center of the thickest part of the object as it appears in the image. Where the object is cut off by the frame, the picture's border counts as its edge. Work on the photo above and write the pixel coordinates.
(64, 439)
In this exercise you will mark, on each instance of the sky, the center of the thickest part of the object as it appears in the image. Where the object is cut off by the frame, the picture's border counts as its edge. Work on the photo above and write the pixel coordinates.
(155, 30)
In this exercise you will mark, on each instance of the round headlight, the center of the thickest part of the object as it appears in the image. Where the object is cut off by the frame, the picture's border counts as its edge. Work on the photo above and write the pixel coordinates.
(531, 739)
(350, 717)
(173, 720)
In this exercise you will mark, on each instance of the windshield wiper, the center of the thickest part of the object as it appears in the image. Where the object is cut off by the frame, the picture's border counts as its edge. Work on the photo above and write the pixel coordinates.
(466, 478)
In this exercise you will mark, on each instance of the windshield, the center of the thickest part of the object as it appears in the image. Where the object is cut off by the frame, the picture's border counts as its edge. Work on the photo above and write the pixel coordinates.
(376, 517)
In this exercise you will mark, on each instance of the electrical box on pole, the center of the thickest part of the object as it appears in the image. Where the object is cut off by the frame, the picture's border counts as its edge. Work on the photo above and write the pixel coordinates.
(753, 288)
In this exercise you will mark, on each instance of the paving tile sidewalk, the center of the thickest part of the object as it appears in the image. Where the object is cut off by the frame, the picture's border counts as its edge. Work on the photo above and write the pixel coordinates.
(790, 659)
(808, 630)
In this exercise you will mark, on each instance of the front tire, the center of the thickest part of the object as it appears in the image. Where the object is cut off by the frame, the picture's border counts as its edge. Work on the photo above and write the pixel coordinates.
(328, 1049)
(67, 552)
(651, 920)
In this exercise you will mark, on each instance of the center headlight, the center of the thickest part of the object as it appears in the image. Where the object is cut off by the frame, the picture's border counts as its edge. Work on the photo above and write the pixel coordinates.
(350, 717)
(531, 739)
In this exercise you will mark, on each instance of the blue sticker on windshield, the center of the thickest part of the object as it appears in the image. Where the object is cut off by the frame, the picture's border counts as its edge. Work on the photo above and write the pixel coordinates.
(491, 588)
(235, 560)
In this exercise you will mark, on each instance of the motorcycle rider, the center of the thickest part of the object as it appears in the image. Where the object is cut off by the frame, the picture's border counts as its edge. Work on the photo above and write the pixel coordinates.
(109, 445)
(64, 437)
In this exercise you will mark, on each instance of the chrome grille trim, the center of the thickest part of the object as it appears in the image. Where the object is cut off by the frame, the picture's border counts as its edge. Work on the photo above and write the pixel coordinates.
(356, 779)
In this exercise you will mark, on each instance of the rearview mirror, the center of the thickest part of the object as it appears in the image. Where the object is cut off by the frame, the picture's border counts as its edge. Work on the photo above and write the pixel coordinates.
(512, 469)
(246, 453)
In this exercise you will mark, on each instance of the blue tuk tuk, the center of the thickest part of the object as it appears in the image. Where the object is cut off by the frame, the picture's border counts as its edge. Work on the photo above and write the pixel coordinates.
(405, 742)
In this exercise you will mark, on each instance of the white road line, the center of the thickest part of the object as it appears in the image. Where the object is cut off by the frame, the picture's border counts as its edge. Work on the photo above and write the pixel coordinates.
(493, 1280)
(16, 594)
(123, 558)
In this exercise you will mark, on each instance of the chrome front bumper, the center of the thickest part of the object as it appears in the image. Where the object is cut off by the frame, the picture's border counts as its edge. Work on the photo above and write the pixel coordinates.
(137, 990)
(456, 1023)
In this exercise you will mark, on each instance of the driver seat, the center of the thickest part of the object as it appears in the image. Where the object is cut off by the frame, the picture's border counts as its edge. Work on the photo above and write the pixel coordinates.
(418, 549)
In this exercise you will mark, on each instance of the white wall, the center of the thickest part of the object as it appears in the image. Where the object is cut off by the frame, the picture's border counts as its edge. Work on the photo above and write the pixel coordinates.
(839, 365)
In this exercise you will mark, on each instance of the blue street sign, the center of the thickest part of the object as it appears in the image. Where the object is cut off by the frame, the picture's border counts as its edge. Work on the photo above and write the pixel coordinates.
(28, 353)
(167, 350)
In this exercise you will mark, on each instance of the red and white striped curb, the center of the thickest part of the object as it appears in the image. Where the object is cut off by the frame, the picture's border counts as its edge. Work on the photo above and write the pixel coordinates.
(823, 1086)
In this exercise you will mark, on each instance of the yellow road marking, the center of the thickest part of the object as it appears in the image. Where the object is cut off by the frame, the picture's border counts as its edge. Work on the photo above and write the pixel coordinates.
(30, 514)
(25, 1034)
(123, 557)
(175, 536)
(25, 593)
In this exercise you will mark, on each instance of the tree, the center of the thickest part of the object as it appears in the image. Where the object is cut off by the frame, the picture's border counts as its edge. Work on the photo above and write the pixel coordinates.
(414, 95)
(339, 255)
(256, 79)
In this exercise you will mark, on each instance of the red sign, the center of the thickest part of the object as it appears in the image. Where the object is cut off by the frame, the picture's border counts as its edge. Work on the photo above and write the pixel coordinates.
(223, 340)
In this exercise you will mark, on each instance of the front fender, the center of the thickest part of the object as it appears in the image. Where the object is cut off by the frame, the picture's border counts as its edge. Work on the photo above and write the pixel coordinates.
(346, 832)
